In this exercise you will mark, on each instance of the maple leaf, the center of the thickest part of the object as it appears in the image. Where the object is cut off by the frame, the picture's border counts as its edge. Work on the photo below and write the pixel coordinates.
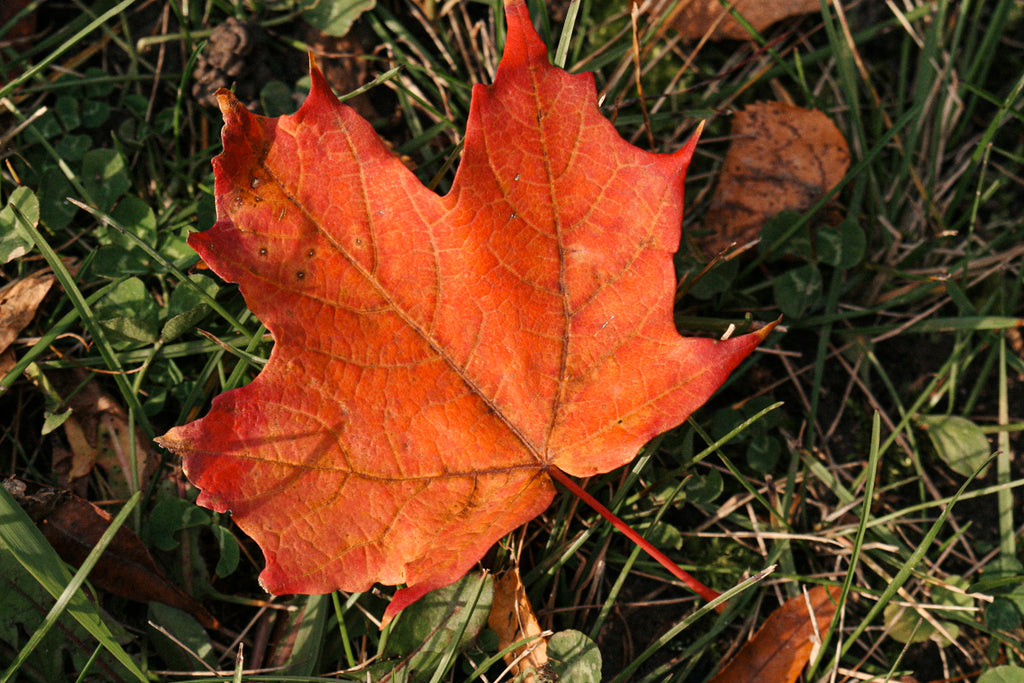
(437, 357)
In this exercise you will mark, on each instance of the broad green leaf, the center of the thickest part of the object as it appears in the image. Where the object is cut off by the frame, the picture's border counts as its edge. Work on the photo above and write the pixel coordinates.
(189, 295)
(334, 17)
(54, 420)
(842, 245)
(186, 307)
(129, 312)
(55, 211)
(73, 147)
(229, 550)
(1004, 578)
(308, 625)
(715, 281)
(183, 322)
(115, 262)
(797, 290)
(798, 244)
(662, 535)
(763, 453)
(1003, 674)
(575, 657)
(1002, 615)
(68, 111)
(702, 489)
(95, 113)
(445, 620)
(959, 442)
(135, 216)
(907, 626)
(105, 176)
(14, 241)
(184, 629)
(169, 516)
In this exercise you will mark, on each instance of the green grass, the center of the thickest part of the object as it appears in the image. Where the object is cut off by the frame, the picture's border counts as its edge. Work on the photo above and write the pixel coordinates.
(106, 170)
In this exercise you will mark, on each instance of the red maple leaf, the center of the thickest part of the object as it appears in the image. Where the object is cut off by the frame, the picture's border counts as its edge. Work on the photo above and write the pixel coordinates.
(437, 358)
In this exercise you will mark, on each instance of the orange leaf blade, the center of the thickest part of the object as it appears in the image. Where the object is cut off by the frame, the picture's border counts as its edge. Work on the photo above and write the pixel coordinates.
(435, 356)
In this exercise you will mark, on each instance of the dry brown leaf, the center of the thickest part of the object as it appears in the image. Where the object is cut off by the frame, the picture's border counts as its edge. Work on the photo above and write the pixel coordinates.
(700, 17)
(781, 648)
(20, 34)
(98, 435)
(18, 303)
(73, 526)
(512, 618)
(782, 157)
(7, 362)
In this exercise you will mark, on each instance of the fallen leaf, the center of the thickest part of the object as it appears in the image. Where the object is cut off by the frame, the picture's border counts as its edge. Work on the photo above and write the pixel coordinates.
(782, 157)
(19, 35)
(98, 435)
(781, 648)
(73, 527)
(22, 29)
(436, 357)
(7, 362)
(24, 610)
(512, 618)
(698, 18)
(19, 301)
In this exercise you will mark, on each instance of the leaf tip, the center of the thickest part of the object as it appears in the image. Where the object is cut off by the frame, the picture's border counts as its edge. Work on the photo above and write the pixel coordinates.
(766, 329)
(403, 598)
(169, 441)
(320, 89)
(227, 102)
(682, 158)
(522, 43)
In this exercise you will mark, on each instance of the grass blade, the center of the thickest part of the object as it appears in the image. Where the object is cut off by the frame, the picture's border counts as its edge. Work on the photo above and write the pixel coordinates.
(26, 542)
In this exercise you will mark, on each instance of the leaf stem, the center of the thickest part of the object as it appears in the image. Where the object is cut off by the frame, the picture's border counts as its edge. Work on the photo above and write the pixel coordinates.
(662, 559)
